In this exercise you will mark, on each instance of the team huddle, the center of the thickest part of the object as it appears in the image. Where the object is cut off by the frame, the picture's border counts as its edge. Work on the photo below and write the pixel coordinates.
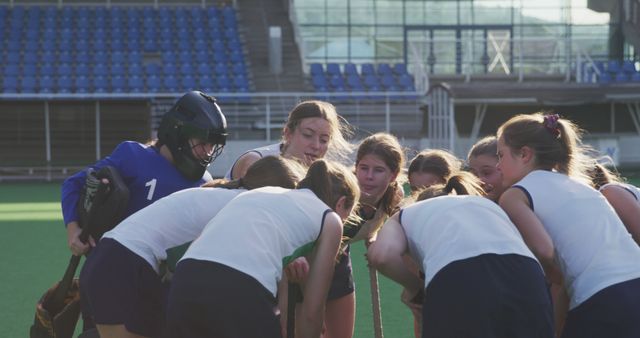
(528, 237)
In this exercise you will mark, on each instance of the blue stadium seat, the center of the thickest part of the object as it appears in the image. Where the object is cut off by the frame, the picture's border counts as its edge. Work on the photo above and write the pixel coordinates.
(333, 69)
(100, 57)
(134, 57)
(628, 66)
(169, 57)
(11, 69)
(14, 57)
(622, 77)
(152, 69)
(319, 81)
(200, 44)
(186, 69)
(223, 81)
(65, 57)
(188, 83)
(185, 56)
(135, 69)
(337, 81)
(635, 77)
(100, 70)
(213, 12)
(118, 57)
(389, 82)
(236, 56)
(31, 59)
(234, 45)
(28, 84)
(83, 57)
(371, 81)
(204, 69)
(116, 45)
(118, 84)
(316, 69)
(136, 84)
(46, 84)
(100, 84)
(613, 66)
(353, 80)
(367, 69)
(170, 84)
(604, 78)
(99, 46)
(169, 69)
(406, 82)
(206, 84)
(202, 56)
(220, 69)
(47, 69)
(82, 69)
(14, 46)
(117, 69)
(241, 83)
(150, 45)
(83, 84)
(132, 44)
(350, 69)
(32, 44)
(64, 84)
(154, 84)
(10, 84)
(384, 69)
(83, 34)
(219, 56)
(64, 69)
(49, 35)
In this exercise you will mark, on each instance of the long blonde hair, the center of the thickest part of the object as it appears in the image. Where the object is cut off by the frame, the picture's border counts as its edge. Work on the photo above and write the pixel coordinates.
(339, 148)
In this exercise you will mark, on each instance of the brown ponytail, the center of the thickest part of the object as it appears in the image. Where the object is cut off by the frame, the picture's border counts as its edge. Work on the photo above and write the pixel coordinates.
(463, 183)
(601, 175)
(330, 181)
(555, 141)
(267, 171)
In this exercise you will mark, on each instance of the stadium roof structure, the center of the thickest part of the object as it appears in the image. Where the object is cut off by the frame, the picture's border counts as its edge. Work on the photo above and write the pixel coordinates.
(556, 94)
(442, 99)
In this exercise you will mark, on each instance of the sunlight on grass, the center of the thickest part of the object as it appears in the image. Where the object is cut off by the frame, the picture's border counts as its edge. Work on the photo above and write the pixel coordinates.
(46, 211)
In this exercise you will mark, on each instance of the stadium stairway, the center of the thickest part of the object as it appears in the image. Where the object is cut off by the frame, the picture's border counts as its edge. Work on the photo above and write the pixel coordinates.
(257, 16)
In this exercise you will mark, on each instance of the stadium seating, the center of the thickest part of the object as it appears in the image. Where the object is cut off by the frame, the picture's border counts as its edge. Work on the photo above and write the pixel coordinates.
(610, 71)
(371, 78)
(121, 49)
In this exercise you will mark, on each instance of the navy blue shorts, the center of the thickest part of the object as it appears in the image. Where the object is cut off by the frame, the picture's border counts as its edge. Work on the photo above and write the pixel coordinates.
(342, 282)
(119, 287)
(209, 299)
(497, 296)
(612, 312)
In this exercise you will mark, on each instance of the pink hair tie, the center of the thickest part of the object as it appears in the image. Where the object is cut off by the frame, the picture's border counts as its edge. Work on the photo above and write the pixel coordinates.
(551, 123)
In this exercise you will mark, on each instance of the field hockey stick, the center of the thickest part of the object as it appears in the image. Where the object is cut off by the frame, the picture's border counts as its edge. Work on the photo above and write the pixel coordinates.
(293, 295)
(375, 303)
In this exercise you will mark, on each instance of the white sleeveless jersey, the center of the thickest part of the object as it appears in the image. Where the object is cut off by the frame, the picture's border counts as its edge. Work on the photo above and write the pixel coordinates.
(270, 150)
(593, 248)
(260, 230)
(635, 191)
(445, 229)
(171, 221)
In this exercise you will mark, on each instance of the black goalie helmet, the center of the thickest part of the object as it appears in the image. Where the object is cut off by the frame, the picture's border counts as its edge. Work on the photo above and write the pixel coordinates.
(196, 117)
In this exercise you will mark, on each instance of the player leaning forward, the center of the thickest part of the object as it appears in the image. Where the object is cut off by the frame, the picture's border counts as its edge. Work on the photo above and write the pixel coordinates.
(226, 283)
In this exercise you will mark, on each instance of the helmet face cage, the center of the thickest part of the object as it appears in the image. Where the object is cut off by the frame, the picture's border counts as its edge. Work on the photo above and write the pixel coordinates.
(194, 116)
